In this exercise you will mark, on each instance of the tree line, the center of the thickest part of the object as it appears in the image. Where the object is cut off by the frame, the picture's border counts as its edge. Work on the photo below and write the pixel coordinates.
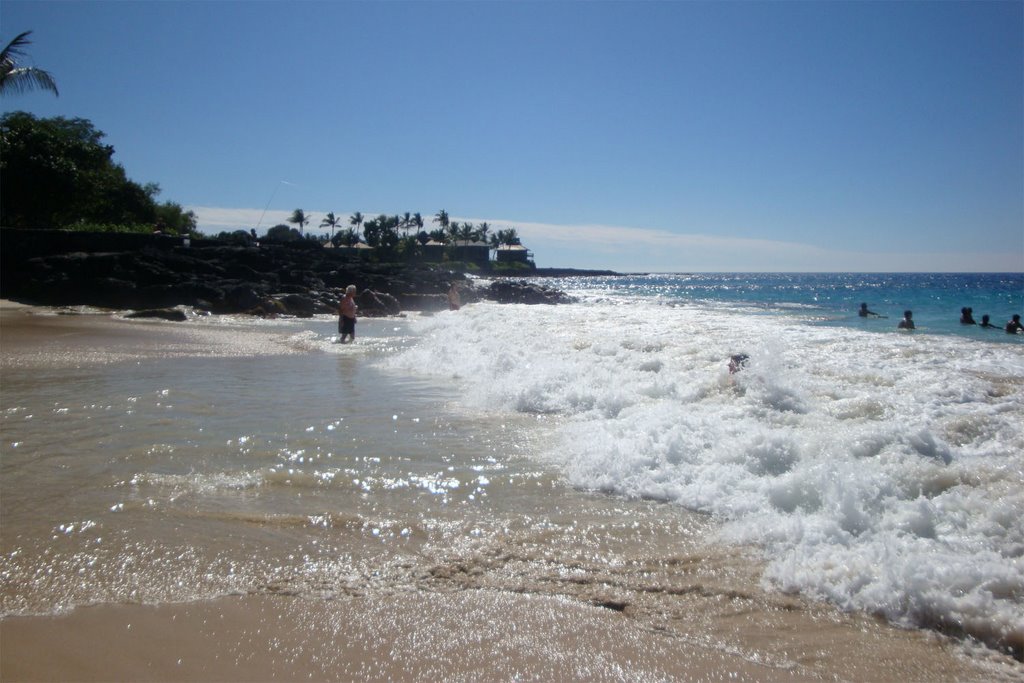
(402, 232)
(57, 173)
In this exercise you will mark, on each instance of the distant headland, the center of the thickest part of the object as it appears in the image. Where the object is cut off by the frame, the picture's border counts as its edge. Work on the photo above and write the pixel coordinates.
(155, 275)
(77, 231)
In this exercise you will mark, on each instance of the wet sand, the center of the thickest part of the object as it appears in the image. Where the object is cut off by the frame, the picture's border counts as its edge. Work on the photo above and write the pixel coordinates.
(637, 605)
(465, 635)
(73, 336)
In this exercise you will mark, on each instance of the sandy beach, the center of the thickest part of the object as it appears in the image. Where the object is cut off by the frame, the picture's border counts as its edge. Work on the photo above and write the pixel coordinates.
(544, 583)
(463, 635)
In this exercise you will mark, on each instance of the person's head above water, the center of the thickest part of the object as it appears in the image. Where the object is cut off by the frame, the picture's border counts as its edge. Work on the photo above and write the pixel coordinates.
(737, 362)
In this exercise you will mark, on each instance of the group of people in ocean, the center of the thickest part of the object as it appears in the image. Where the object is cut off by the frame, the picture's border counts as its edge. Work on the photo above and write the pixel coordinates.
(739, 361)
(1013, 325)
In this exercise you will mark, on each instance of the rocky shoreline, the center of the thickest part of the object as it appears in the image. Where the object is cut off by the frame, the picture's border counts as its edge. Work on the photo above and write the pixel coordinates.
(155, 276)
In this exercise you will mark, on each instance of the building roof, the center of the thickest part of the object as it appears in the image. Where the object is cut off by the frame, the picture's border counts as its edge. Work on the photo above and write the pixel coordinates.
(357, 245)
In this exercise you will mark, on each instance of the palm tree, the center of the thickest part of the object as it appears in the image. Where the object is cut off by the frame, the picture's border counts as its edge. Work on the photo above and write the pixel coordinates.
(356, 221)
(22, 78)
(483, 232)
(300, 218)
(442, 219)
(331, 221)
(509, 237)
(452, 231)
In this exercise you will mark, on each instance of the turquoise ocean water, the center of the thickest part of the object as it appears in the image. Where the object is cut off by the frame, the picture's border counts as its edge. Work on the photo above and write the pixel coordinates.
(833, 298)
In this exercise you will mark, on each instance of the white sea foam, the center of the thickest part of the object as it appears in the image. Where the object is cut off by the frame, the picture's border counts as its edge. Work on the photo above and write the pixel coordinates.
(882, 472)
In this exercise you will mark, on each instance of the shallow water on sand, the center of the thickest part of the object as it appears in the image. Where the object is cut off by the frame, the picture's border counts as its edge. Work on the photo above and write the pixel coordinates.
(153, 466)
(881, 472)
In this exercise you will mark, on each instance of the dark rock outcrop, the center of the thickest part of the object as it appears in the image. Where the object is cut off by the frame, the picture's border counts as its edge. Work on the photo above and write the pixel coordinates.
(377, 304)
(144, 273)
(299, 305)
(523, 292)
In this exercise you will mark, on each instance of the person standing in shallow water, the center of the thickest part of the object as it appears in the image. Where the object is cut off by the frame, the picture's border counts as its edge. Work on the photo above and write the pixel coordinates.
(967, 316)
(908, 321)
(454, 301)
(347, 315)
(1013, 326)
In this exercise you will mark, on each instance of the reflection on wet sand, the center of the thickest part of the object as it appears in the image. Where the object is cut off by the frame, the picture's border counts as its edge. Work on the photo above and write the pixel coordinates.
(178, 519)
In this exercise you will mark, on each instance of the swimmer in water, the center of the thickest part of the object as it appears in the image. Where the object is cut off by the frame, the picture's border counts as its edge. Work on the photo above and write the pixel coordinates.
(737, 362)
(908, 321)
(864, 312)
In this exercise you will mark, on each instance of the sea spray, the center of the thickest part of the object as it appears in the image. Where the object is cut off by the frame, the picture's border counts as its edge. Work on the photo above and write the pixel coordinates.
(881, 472)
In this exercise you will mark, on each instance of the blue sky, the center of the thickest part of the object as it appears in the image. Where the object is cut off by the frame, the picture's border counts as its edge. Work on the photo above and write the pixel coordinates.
(637, 136)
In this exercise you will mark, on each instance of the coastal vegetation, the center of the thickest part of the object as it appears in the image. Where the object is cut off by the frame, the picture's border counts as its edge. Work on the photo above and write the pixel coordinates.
(58, 173)
(299, 218)
(396, 238)
(15, 78)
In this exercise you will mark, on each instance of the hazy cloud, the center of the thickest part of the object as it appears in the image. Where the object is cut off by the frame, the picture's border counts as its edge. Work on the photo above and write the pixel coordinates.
(628, 249)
